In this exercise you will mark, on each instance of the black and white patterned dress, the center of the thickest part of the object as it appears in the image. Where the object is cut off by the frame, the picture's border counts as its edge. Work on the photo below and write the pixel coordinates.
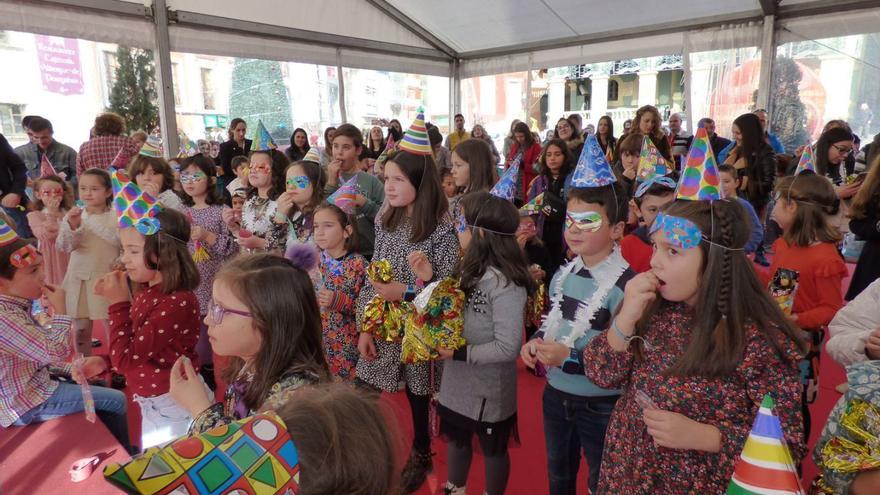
(386, 371)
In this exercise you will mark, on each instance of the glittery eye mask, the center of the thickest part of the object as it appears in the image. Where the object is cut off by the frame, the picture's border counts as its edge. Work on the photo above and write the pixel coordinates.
(300, 181)
(679, 232)
(589, 221)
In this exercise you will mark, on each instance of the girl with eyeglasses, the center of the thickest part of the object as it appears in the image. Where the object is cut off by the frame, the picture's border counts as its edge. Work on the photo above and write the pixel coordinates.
(53, 200)
(831, 152)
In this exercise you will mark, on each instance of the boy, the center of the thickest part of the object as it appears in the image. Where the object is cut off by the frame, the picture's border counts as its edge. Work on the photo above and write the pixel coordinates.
(649, 198)
(347, 145)
(239, 163)
(583, 295)
(448, 184)
(729, 184)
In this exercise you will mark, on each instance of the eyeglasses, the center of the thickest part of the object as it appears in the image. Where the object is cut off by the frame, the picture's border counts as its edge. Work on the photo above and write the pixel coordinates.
(300, 181)
(588, 221)
(217, 312)
(192, 178)
(842, 149)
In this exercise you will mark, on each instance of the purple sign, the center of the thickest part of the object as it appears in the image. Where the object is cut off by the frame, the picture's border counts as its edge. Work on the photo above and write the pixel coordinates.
(60, 69)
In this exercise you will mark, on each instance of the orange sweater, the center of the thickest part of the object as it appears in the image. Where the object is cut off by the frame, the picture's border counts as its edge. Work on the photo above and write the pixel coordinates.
(821, 268)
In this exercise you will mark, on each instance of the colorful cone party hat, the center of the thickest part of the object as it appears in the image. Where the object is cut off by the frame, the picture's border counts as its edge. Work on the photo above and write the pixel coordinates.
(187, 147)
(806, 162)
(765, 466)
(505, 188)
(134, 207)
(388, 147)
(312, 155)
(253, 455)
(651, 162)
(46, 168)
(7, 234)
(593, 169)
(262, 139)
(153, 147)
(415, 140)
(533, 207)
(699, 177)
(344, 197)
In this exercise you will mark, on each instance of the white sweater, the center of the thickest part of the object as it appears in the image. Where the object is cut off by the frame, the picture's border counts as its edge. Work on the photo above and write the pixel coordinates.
(853, 324)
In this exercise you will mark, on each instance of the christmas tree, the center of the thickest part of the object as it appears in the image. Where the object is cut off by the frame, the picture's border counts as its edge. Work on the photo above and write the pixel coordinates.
(133, 94)
(789, 118)
(258, 93)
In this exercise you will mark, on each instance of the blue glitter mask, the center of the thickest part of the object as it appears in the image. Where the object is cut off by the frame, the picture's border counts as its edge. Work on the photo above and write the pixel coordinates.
(680, 232)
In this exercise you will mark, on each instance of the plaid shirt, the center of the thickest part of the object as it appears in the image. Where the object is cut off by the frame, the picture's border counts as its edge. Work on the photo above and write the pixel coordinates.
(100, 151)
(26, 351)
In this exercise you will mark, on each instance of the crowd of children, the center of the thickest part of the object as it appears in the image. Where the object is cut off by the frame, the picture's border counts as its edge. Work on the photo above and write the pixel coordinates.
(629, 277)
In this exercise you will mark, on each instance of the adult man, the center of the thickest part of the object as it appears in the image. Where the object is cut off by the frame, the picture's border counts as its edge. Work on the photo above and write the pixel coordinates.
(61, 156)
(717, 142)
(679, 139)
(109, 146)
(458, 135)
(771, 138)
(13, 178)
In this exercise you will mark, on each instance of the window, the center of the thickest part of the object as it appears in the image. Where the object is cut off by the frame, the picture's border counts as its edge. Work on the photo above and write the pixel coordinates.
(375, 97)
(110, 65)
(10, 120)
(613, 90)
(207, 88)
(175, 83)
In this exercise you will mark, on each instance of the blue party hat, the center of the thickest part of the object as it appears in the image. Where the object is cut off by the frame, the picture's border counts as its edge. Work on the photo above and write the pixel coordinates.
(505, 188)
(593, 169)
(262, 139)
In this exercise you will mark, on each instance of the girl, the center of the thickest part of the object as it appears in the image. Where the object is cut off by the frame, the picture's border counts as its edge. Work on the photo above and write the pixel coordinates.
(555, 165)
(343, 274)
(209, 241)
(478, 390)
(412, 228)
(299, 145)
(259, 229)
(159, 325)
(53, 200)
(832, 149)
(605, 135)
(89, 234)
(864, 214)
(647, 122)
(395, 130)
(479, 132)
(574, 142)
(448, 182)
(701, 339)
(804, 205)
(472, 169)
(263, 315)
(375, 143)
(155, 177)
(296, 206)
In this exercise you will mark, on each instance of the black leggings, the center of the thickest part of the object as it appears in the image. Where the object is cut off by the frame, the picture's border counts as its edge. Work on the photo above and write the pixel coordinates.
(419, 406)
(497, 467)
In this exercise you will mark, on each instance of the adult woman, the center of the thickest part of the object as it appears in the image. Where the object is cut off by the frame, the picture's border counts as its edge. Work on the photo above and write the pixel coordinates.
(237, 145)
(524, 144)
(864, 214)
(508, 141)
(753, 159)
(605, 134)
(647, 122)
(568, 133)
(375, 143)
(109, 146)
(299, 145)
(395, 131)
(478, 132)
(327, 152)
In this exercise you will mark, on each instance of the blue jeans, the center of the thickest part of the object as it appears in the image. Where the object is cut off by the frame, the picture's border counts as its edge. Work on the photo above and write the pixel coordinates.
(67, 399)
(572, 423)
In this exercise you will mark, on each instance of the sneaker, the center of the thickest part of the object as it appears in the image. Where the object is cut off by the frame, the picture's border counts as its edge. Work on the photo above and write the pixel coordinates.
(416, 470)
(96, 343)
(451, 489)
(761, 259)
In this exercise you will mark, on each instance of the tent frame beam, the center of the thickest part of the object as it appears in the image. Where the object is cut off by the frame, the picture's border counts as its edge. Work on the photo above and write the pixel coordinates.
(412, 26)
(117, 7)
(165, 80)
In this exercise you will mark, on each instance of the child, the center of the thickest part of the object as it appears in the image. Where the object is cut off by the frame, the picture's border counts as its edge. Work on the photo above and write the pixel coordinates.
(175, 164)
(649, 198)
(28, 350)
(161, 323)
(730, 184)
(348, 142)
(555, 165)
(473, 169)
(583, 295)
(343, 275)
(855, 329)
(413, 228)
(209, 241)
(695, 346)
(265, 316)
(239, 167)
(258, 224)
(53, 200)
(478, 390)
(155, 176)
(296, 206)
(448, 183)
(89, 234)
(804, 205)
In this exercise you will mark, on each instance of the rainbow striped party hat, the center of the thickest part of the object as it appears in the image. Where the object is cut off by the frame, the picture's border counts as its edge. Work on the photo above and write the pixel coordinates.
(699, 177)
(153, 147)
(806, 162)
(651, 162)
(262, 139)
(415, 140)
(345, 196)
(505, 188)
(134, 207)
(593, 169)
(765, 466)
(7, 233)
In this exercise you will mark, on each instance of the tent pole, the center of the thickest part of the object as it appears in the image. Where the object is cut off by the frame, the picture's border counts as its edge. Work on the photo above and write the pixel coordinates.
(686, 65)
(768, 58)
(162, 57)
(456, 86)
(528, 93)
(341, 83)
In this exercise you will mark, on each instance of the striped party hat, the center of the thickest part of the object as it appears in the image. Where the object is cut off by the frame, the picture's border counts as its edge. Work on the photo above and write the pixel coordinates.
(806, 162)
(415, 140)
(765, 466)
(699, 178)
(593, 169)
(153, 147)
(505, 188)
(345, 196)
(134, 207)
(312, 155)
(262, 139)
(7, 233)
(651, 162)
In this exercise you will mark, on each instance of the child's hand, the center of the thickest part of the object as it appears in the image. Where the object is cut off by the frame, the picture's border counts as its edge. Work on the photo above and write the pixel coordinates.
(113, 287)
(445, 354)
(151, 189)
(677, 431)
(640, 291)
(55, 296)
(529, 353)
(552, 353)
(53, 203)
(392, 291)
(325, 298)
(360, 200)
(186, 388)
(198, 233)
(228, 216)
(333, 172)
(366, 346)
(420, 265)
(285, 203)
(74, 217)
(537, 273)
(252, 242)
(91, 367)
(872, 346)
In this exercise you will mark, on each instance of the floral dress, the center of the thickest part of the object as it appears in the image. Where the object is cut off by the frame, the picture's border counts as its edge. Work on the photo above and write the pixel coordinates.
(346, 277)
(210, 219)
(632, 463)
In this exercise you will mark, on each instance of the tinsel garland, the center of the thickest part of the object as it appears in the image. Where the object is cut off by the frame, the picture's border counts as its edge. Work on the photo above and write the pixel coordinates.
(436, 322)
